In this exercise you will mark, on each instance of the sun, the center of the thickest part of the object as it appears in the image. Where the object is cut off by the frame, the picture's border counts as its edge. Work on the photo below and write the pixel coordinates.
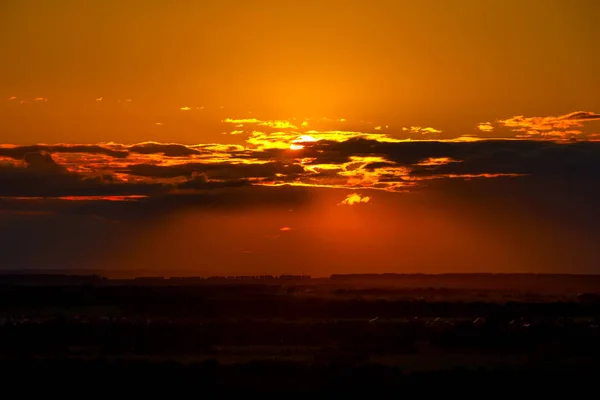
(296, 143)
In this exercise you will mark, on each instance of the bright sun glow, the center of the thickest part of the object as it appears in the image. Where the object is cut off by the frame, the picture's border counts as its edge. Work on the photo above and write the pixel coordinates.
(301, 139)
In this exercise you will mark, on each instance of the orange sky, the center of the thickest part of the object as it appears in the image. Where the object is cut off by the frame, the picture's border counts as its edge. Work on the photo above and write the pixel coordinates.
(445, 64)
(407, 136)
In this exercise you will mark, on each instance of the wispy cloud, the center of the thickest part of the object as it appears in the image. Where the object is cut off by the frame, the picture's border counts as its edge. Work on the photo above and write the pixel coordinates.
(354, 198)
(238, 121)
(421, 130)
(275, 124)
(552, 127)
(485, 127)
(435, 161)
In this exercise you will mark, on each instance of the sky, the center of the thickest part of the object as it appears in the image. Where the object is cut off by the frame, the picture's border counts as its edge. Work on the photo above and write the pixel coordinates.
(268, 137)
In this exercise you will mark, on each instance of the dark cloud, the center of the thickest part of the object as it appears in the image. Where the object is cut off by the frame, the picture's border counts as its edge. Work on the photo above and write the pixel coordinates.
(401, 153)
(201, 182)
(40, 186)
(168, 150)
(42, 163)
(376, 165)
(43, 177)
(447, 167)
(218, 171)
(111, 150)
(19, 152)
(482, 157)
(383, 162)
(539, 159)
(582, 115)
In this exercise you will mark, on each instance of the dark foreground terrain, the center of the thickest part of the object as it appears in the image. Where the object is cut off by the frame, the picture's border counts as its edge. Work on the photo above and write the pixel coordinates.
(351, 333)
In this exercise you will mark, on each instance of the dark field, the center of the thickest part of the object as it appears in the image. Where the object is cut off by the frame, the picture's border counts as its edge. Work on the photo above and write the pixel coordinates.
(343, 333)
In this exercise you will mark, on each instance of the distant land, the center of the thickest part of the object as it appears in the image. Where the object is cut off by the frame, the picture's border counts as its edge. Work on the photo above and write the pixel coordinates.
(556, 283)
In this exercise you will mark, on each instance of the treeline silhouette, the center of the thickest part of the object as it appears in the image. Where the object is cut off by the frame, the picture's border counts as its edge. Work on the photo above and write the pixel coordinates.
(484, 281)
(44, 279)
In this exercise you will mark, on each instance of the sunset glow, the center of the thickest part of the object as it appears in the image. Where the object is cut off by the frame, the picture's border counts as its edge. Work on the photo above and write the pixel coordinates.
(297, 143)
(391, 135)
